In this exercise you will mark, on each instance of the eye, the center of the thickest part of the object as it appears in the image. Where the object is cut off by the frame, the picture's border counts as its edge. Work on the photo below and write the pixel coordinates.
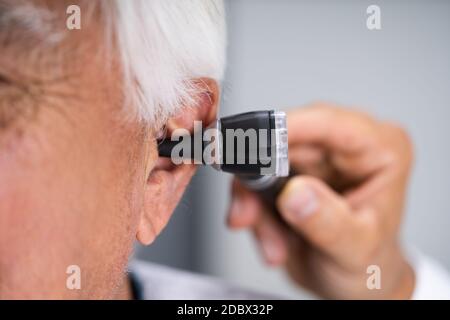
(3, 80)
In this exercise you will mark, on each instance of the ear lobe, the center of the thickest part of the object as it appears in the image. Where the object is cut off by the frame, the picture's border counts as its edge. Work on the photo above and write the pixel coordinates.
(164, 190)
(166, 183)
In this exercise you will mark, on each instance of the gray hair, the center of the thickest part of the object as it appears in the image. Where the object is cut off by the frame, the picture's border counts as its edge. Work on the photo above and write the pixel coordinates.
(164, 46)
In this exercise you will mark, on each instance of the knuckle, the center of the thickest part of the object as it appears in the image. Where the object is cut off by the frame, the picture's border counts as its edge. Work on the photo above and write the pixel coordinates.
(403, 135)
(402, 144)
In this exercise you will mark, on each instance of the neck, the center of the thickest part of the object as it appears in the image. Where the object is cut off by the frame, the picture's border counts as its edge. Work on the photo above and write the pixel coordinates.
(124, 291)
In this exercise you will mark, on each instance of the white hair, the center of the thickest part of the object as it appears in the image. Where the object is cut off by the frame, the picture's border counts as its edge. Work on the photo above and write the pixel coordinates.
(165, 45)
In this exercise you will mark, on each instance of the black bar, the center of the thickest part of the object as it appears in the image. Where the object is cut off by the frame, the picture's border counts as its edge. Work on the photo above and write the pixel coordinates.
(229, 309)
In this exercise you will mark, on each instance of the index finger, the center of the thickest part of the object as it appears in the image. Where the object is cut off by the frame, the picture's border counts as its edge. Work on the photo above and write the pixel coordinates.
(330, 127)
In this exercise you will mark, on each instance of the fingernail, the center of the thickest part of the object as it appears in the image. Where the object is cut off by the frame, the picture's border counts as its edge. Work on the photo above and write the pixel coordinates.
(301, 203)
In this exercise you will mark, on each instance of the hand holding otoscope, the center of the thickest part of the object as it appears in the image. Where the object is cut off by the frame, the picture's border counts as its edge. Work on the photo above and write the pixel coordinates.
(342, 213)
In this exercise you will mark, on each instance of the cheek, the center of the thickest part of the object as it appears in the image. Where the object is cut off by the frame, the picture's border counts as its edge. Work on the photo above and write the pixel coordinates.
(59, 209)
(38, 236)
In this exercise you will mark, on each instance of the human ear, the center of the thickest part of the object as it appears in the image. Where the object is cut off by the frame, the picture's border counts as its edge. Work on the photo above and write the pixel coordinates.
(167, 182)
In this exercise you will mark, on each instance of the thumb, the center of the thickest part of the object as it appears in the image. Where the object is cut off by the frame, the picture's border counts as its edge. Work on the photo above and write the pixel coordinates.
(322, 216)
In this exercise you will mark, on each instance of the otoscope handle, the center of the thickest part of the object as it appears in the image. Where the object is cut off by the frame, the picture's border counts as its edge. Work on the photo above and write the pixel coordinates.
(268, 192)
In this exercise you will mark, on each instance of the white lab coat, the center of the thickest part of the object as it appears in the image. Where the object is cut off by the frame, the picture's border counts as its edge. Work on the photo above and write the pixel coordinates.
(160, 282)
(432, 280)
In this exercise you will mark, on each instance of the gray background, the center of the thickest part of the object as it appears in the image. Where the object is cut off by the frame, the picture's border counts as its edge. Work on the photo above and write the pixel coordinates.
(290, 53)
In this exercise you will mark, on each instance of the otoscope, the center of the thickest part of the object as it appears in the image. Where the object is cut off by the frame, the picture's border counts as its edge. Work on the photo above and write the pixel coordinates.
(252, 145)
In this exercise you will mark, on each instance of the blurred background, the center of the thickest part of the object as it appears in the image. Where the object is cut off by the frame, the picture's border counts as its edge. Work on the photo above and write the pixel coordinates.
(288, 53)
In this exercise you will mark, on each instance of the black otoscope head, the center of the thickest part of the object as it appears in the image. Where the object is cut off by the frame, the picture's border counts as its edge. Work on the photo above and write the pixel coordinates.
(250, 144)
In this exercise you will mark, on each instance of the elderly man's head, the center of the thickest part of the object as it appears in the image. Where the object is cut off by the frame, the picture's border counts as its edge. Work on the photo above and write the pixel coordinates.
(80, 111)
